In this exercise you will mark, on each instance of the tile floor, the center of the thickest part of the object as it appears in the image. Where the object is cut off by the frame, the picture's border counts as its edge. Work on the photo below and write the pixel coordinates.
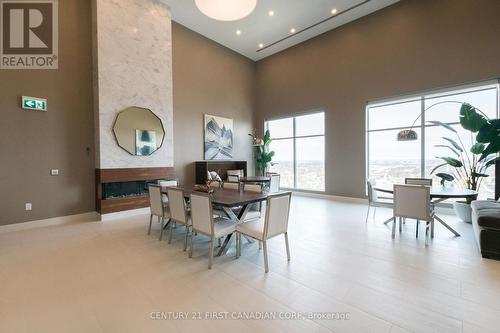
(112, 277)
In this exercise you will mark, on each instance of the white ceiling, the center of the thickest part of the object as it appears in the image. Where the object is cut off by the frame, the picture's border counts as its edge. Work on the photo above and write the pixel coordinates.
(259, 27)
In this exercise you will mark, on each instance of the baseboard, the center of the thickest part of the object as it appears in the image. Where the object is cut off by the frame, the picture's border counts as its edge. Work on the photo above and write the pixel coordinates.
(77, 218)
(330, 197)
(126, 213)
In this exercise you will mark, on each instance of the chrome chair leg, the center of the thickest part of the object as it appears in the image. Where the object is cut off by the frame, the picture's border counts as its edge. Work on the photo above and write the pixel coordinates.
(287, 247)
(367, 213)
(266, 264)
(400, 224)
(150, 223)
(161, 230)
(211, 255)
(416, 232)
(171, 231)
(426, 233)
(395, 221)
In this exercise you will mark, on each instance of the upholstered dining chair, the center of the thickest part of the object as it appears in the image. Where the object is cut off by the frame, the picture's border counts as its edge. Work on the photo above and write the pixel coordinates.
(233, 178)
(275, 223)
(231, 185)
(255, 211)
(178, 212)
(414, 202)
(274, 183)
(203, 222)
(158, 209)
(252, 188)
(166, 183)
(417, 181)
(375, 201)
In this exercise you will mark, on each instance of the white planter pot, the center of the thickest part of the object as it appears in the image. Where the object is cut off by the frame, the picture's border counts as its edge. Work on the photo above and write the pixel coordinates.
(463, 211)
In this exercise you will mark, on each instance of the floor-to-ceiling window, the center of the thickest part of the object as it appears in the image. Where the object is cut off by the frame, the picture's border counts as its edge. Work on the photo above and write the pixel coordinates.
(299, 146)
(390, 161)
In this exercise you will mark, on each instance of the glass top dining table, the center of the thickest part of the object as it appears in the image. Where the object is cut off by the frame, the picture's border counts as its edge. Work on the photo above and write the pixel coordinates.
(438, 194)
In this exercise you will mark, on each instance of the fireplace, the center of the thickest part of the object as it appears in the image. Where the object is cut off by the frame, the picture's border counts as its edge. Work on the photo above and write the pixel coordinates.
(125, 189)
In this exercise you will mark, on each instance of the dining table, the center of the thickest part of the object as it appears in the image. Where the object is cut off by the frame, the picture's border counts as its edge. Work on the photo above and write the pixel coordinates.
(255, 179)
(438, 194)
(228, 199)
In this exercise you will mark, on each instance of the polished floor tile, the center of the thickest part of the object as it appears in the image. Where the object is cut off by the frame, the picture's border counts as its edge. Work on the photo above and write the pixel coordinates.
(345, 276)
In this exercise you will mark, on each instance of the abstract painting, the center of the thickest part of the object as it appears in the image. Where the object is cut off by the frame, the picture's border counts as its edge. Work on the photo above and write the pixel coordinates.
(218, 138)
(145, 142)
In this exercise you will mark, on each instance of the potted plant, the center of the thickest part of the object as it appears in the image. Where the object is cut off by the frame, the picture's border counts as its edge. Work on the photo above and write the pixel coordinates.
(263, 155)
(469, 164)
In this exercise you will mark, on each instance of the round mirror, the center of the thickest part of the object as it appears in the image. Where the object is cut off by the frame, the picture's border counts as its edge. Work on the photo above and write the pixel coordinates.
(139, 131)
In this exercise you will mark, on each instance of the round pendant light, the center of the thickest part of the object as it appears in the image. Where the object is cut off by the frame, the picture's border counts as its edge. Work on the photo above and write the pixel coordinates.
(226, 10)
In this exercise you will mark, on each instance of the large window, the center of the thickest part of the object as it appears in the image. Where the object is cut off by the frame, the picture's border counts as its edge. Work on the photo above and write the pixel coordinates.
(390, 161)
(299, 146)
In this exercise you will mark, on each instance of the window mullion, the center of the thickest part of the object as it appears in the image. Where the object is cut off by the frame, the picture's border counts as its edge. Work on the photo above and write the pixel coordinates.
(422, 140)
(294, 155)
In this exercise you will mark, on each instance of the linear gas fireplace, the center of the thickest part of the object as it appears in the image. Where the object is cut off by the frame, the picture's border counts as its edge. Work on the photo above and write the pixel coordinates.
(124, 189)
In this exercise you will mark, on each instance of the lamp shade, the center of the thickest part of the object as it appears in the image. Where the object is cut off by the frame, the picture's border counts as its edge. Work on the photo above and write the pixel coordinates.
(407, 135)
(226, 10)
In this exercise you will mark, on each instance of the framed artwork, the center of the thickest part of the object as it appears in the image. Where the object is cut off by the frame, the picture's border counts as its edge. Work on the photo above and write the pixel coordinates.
(218, 138)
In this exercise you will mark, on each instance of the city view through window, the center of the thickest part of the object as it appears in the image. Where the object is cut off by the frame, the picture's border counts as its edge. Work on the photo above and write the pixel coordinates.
(299, 146)
(391, 161)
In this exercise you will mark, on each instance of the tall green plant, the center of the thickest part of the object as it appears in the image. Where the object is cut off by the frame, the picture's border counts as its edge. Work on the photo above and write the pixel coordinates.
(264, 156)
(469, 163)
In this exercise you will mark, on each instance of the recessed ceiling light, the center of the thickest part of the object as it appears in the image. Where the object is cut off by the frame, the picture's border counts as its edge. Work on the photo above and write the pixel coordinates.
(261, 45)
(334, 11)
(292, 31)
(238, 32)
(271, 13)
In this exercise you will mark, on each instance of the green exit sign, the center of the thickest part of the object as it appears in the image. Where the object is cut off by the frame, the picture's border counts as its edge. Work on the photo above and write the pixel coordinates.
(33, 103)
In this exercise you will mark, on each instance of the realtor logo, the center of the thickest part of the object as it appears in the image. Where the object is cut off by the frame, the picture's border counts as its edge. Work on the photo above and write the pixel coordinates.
(29, 34)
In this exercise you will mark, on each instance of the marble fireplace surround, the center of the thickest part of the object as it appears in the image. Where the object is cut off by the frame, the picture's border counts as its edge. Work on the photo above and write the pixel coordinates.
(132, 67)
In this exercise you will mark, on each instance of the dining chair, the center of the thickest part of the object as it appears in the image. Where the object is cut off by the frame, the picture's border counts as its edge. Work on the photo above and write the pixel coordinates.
(203, 222)
(275, 223)
(417, 181)
(166, 183)
(157, 207)
(231, 185)
(375, 201)
(233, 178)
(414, 202)
(274, 183)
(252, 187)
(255, 211)
(178, 212)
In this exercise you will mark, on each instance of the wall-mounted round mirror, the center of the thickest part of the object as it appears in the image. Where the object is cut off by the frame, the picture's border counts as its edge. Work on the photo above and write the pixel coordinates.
(139, 131)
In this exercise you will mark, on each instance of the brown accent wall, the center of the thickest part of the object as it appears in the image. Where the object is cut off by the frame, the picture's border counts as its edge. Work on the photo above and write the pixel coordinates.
(208, 78)
(411, 46)
(32, 143)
